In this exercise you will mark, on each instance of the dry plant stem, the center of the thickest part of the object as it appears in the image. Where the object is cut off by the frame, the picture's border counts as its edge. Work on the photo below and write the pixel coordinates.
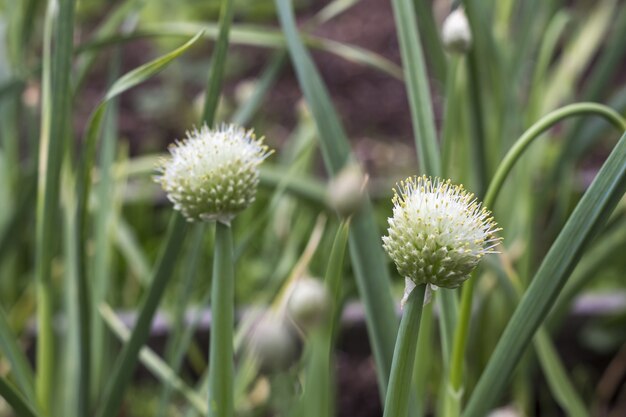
(453, 394)
(397, 400)
(221, 403)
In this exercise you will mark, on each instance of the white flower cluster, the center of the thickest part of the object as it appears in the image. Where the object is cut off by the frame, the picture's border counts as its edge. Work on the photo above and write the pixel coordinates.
(438, 232)
(213, 174)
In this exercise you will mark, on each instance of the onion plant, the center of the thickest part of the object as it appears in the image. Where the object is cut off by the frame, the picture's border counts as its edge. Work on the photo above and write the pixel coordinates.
(494, 233)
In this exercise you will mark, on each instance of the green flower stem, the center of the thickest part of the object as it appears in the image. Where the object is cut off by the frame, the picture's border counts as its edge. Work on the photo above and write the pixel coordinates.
(537, 129)
(505, 167)
(397, 400)
(221, 403)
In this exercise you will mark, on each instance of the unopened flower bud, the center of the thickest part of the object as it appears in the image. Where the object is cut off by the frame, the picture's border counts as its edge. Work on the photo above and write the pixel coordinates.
(438, 232)
(245, 90)
(308, 303)
(272, 343)
(456, 33)
(346, 191)
(213, 174)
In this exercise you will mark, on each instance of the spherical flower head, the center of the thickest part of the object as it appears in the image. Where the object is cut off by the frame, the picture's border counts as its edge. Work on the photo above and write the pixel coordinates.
(213, 174)
(438, 232)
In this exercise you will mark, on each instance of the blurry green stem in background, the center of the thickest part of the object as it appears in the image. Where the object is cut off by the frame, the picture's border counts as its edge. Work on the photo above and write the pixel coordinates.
(216, 71)
(126, 362)
(368, 260)
(222, 309)
(397, 400)
(57, 66)
(505, 167)
(418, 89)
(221, 368)
(13, 397)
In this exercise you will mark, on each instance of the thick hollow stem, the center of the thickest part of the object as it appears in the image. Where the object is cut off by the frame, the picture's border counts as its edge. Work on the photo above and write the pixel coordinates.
(397, 400)
(222, 309)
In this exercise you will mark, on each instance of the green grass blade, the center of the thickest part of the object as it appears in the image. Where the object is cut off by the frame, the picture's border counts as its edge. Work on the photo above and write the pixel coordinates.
(588, 217)
(56, 92)
(77, 351)
(368, 260)
(125, 364)
(21, 406)
(417, 87)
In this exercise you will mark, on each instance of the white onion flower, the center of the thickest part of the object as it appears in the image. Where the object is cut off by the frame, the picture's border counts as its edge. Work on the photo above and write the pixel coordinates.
(438, 232)
(213, 174)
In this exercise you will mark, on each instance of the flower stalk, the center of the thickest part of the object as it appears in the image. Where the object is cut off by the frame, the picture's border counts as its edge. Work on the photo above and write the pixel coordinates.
(397, 400)
(221, 402)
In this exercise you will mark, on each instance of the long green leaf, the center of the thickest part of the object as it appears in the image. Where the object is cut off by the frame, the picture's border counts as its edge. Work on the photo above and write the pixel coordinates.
(54, 122)
(417, 87)
(107, 209)
(589, 216)
(368, 260)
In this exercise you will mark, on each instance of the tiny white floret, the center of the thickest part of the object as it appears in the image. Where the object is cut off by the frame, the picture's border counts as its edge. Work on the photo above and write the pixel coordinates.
(438, 232)
(213, 174)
